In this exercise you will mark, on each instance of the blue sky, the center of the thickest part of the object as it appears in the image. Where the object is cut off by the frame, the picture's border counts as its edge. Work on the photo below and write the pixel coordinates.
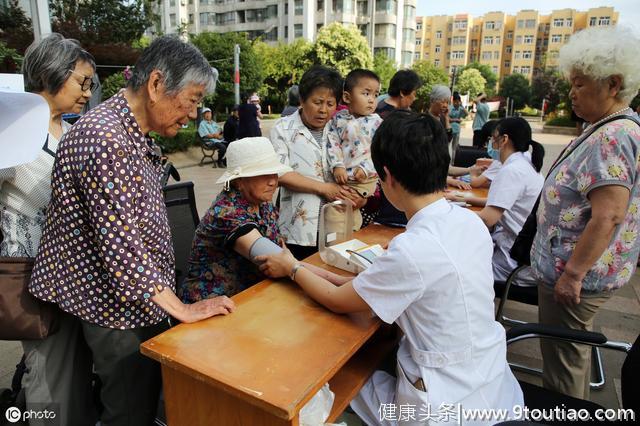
(629, 9)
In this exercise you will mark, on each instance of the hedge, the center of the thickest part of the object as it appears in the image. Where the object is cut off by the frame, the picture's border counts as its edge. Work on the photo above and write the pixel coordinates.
(185, 139)
(561, 121)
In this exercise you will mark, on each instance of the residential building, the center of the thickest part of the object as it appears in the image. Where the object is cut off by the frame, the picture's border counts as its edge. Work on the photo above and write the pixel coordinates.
(388, 25)
(524, 43)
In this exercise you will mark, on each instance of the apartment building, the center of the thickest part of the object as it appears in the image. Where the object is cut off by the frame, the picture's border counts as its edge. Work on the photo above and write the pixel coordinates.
(524, 43)
(388, 25)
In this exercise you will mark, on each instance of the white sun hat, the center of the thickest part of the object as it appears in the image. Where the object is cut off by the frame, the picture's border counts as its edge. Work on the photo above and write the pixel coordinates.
(250, 157)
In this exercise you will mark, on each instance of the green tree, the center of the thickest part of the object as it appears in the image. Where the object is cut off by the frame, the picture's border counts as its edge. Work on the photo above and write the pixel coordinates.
(516, 87)
(218, 49)
(490, 77)
(283, 65)
(10, 59)
(385, 67)
(16, 29)
(549, 85)
(342, 47)
(112, 84)
(430, 75)
(470, 81)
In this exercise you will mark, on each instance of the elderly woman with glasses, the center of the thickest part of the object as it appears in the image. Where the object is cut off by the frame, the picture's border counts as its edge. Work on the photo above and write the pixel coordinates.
(59, 70)
(106, 257)
(587, 244)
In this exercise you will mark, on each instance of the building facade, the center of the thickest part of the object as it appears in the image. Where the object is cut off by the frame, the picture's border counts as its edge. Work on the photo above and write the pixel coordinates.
(388, 25)
(524, 43)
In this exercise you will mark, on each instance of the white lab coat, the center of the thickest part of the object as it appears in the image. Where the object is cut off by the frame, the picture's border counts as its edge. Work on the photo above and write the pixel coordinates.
(436, 283)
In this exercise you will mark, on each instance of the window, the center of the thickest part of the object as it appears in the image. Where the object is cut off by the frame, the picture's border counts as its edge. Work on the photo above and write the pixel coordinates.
(486, 56)
(488, 40)
(419, 26)
(474, 43)
(449, 41)
(556, 38)
(495, 69)
(604, 20)
(416, 56)
(385, 30)
(438, 34)
(387, 6)
(390, 52)
(298, 7)
(528, 39)
(344, 6)
(531, 23)
(497, 39)
(525, 70)
(459, 40)
(408, 35)
(191, 21)
(517, 55)
(567, 37)
(286, 31)
(172, 19)
(510, 35)
(568, 22)
(458, 54)
(406, 58)
(297, 30)
(558, 22)
(437, 50)
(516, 70)
(286, 8)
(436, 62)
(172, 3)
(518, 39)
(225, 18)
(526, 54)
(460, 25)
(272, 11)
(418, 42)
(320, 5)
(409, 13)
(448, 55)
(508, 49)
(364, 29)
(363, 8)
(489, 25)
(507, 64)
(426, 55)
(592, 21)
(520, 23)
(190, 1)
(496, 55)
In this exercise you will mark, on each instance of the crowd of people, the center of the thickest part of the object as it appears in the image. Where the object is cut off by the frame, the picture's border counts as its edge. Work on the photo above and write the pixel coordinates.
(90, 210)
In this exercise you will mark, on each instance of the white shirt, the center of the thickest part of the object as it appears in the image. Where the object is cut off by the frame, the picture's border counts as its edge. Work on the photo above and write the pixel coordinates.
(296, 147)
(514, 189)
(435, 281)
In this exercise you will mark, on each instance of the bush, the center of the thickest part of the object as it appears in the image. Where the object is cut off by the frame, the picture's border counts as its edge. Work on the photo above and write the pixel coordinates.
(529, 112)
(561, 121)
(185, 139)
(112, 84)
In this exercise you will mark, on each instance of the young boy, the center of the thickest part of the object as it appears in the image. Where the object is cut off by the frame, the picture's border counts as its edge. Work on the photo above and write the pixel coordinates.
(350, 134)
(435, 281)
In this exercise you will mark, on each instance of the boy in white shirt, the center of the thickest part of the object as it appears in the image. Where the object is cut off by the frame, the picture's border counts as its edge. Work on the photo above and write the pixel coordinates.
(350, 134)
(435, 281)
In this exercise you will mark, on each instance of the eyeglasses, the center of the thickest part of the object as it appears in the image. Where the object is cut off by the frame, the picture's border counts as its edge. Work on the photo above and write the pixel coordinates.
(87, 83)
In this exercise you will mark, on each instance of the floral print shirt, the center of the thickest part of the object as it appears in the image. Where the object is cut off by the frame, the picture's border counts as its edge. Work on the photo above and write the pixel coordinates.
(349, 142)
(296, 147)
(215, 269)
(106, 246)
(610, 156)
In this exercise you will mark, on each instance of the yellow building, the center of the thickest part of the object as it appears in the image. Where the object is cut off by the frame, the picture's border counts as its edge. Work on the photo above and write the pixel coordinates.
(525, 43)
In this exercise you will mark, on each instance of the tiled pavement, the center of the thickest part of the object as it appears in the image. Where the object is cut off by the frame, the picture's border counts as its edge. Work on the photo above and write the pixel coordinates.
(619, 319)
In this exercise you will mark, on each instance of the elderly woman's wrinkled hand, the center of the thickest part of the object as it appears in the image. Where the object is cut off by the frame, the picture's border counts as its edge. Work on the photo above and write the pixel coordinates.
(277, 265)
(204, 309)
(567, 290)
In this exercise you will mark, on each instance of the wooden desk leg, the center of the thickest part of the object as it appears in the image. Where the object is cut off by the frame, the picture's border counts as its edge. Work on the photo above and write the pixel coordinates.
(191, 402)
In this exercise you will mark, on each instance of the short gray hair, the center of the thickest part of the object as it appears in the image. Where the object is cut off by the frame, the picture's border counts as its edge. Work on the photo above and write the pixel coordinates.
(48, 62)
(180, 63)
(440, 92)
(600, 53)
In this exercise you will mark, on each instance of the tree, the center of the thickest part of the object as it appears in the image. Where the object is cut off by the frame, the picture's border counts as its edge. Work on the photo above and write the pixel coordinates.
(490, 77)
(516, 87)
(430, 75)
(16, 29)
(342, 47)
(385, 67)
(10, 60)
(218, 49)
(549, 85)
(470, 81)
(283, 65)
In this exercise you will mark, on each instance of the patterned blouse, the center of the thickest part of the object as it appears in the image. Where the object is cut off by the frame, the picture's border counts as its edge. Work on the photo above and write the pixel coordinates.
(349, 142)
(215, 269)
(610, 156)
(106, 245)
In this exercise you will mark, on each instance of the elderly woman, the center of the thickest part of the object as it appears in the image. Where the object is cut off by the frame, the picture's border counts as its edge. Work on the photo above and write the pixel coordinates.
(300, 141)
(587, 244)
(240, 224)
(60, 71)
(106, 257)
(403, 88)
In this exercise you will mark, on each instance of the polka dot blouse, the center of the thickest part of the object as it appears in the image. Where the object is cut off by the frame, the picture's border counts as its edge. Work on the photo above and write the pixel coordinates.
(106, 247)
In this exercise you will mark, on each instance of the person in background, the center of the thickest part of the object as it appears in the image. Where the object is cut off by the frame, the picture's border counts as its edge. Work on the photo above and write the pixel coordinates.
(586, 246)
(350, 134)
(456, 114)
(248, 125)
(402, 92)
(300, 141)
(434, 282)
(293, 97)
(211, 135)
(439, 99)
(61, 71)
(481, 117)
(230, 129)
(105, 257)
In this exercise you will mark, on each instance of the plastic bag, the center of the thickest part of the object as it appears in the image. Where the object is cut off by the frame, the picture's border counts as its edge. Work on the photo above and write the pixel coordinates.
(317, 410)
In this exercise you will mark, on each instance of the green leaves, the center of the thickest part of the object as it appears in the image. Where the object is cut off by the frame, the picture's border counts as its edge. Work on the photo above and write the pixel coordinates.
(385, 67)
(430, 75)
(470, 81)
(342, 47)
(516, 87)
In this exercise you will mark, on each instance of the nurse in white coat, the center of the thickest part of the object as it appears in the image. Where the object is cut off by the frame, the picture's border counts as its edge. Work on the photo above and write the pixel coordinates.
(434, 281)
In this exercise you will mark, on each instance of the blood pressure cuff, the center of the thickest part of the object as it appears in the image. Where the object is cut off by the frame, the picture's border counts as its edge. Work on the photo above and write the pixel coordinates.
(262, 247)
(240, 231)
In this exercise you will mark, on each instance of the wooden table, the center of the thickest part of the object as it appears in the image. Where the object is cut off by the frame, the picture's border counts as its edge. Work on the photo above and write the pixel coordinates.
(477, 192)
(261, 364)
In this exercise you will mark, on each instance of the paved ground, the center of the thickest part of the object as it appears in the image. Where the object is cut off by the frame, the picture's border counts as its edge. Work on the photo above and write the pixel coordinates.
(619, 319)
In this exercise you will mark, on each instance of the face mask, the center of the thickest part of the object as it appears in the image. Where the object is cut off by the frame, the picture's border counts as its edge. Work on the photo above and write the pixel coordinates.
(493, 153)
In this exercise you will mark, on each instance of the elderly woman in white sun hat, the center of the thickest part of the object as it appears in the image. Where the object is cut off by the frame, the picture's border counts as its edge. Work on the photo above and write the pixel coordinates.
(242, 223)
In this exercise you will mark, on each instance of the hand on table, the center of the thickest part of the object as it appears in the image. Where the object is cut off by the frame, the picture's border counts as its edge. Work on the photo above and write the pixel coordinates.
(458, 183)
(206, 308)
